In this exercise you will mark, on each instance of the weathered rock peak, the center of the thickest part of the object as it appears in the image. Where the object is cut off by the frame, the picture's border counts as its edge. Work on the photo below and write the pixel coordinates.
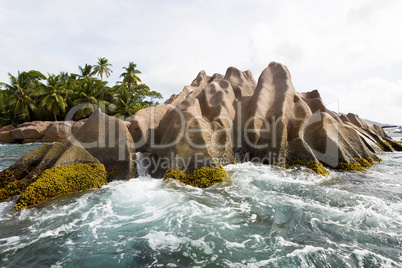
(232, 118)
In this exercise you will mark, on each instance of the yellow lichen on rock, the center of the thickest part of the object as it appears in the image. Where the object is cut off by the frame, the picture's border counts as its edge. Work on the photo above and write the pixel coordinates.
(316, 167)
(360, 163)
(12, 189)
(389, 146)
(59, 180)
(202, 177)
(365, 161)
(175, 174)
(355, 166)
(5, 177)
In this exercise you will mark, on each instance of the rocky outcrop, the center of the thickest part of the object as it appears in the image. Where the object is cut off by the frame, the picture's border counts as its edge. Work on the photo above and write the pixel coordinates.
(7, 128)
(30, 131)
(216, 120)
(102, 140)
(58, 131)
(107, 138)
(233, 118)
(39, 131)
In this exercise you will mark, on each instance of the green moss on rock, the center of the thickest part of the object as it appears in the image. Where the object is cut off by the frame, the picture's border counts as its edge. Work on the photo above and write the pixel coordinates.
(355, 166)
(389, 146)
(175, 174)
(397, 145)
(59, 180)
(202, 177)
(365, 161)
(316, 167)
(360, 163)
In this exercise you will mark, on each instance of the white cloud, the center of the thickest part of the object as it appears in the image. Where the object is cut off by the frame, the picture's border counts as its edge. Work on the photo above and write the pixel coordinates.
(375, 98)
(330, 45)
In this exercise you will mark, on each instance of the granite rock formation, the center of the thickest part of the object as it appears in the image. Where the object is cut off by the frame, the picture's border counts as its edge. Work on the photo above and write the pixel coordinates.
(39, 131)
(102, 140)
(232, 118)
(107, 139)
(216, 120)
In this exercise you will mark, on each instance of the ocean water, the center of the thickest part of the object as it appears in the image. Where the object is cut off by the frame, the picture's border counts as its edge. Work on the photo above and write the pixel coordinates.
(263, 217)
(395, 136)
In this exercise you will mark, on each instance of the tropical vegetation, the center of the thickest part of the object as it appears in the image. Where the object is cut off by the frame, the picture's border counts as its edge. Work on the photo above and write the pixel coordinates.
(31, 95)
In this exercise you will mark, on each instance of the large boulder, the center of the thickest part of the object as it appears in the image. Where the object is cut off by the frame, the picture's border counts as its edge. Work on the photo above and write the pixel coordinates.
(30, 131)
(232, 118)
(40, 131)
(31, 165)
(5, 137)
(7, 128)
(72, 164)
(58, 131)
(107, 139)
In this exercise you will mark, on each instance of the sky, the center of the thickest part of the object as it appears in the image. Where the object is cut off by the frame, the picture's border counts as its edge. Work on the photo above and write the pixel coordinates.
(351, 51)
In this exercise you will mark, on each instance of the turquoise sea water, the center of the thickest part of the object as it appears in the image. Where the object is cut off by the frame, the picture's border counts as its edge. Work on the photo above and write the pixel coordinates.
(265, 217)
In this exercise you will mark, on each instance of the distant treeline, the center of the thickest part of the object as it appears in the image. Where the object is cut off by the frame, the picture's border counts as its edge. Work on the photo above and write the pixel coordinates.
(33, 96)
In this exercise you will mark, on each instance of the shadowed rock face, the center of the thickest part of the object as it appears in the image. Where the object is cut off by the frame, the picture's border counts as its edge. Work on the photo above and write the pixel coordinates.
(107, 139)
(232, 118)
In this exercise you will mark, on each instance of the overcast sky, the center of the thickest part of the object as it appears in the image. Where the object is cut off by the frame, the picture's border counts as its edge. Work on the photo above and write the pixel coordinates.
(351, 51)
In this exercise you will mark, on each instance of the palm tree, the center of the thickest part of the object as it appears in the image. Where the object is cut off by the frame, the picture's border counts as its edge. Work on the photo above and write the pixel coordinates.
(19, 91)
(89, 92)
(130, 76)
(124, 104)
(54, 95)
(103, 68)
(67, 81)
(4, 113)
(86, 71)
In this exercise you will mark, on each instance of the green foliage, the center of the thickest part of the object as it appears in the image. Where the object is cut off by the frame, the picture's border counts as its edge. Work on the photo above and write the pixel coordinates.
(316, 167)
(202, 177)
(130, 75)
(17, 95)
(53, 95)
(59, 180)
(86, 71)
(32, 96)
(102, 68)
